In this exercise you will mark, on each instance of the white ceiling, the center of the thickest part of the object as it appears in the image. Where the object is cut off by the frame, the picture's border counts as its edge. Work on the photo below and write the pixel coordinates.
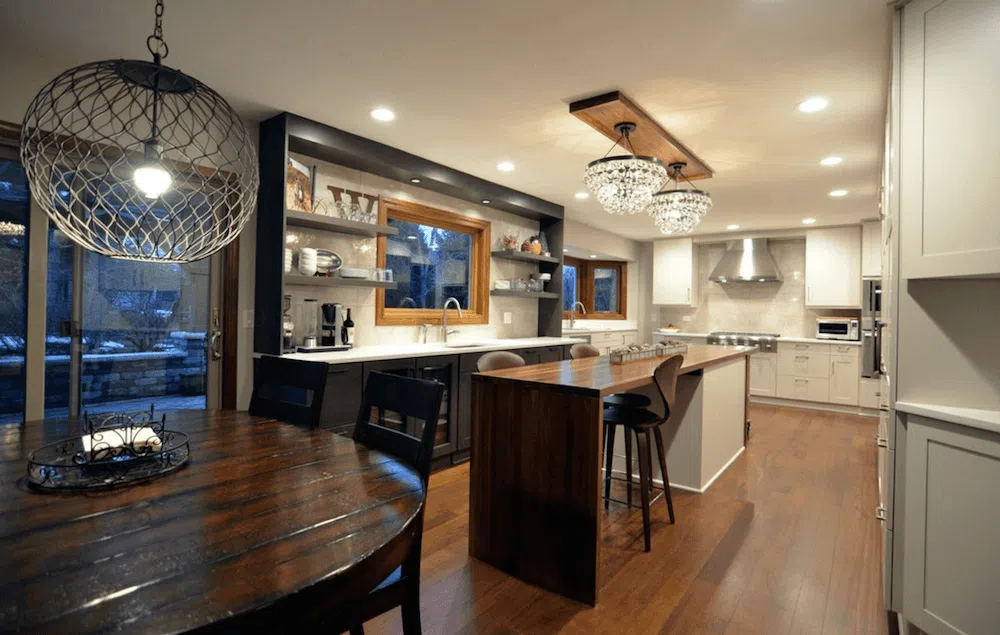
(473, 83)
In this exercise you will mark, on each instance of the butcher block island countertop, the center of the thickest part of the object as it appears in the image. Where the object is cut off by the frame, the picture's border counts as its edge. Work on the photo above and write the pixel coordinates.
(535, 504)
(599, 375)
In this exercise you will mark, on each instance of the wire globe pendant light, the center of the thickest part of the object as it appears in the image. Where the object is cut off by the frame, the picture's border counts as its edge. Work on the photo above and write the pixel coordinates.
(679, 211)
(625, 184)
(139, 161)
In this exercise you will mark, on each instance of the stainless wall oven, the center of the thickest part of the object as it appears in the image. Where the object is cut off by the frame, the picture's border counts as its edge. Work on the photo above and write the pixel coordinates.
(871, 328)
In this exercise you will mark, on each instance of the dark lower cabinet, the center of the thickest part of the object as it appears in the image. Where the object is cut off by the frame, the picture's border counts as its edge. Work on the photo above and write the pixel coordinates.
(453, 438)
(443, 369)
(342, 399)
(549, 354)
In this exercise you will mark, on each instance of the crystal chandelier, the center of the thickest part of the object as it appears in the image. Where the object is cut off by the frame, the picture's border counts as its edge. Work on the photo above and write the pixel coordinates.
(136, 160)
(679, 211)
(625, 184)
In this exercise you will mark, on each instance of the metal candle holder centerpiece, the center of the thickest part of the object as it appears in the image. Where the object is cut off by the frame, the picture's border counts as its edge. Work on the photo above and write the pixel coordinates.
(636, 352)
(115, 449)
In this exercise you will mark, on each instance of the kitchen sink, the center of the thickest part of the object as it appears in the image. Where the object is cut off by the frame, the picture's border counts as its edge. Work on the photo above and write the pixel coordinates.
(468, 344)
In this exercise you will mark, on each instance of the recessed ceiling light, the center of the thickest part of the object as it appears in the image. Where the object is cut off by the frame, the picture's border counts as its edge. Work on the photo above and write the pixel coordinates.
(486, 201)
(838, 193)
(505, 166)
(831, 161)
(814, 104)
(581, 196)
(593, 255)
(383, 114)
(731, 227)
(808, 221)
(414, 180)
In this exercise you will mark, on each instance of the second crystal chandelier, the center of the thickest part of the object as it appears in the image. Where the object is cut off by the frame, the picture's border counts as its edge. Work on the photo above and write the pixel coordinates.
(679, 211)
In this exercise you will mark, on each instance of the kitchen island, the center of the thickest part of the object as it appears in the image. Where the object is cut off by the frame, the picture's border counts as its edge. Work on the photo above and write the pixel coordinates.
(537, 448)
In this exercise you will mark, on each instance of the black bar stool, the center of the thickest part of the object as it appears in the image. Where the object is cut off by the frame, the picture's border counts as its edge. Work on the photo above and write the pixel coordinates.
(641, 422)
(622, 399)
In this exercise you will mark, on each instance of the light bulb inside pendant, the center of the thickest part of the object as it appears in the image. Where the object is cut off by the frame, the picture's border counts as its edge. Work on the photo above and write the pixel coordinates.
(151, 177)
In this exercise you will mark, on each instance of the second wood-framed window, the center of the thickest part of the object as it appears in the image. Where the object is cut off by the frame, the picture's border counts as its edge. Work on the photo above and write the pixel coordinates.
(600, 285)
(435, 255)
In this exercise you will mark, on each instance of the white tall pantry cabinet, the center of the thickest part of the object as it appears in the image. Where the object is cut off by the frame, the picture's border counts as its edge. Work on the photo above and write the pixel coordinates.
(940, 487)
(950, 97)
(675, 272)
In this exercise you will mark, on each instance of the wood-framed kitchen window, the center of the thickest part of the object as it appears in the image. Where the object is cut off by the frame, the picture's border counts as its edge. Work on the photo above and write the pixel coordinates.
(601, 285)
(436, 255)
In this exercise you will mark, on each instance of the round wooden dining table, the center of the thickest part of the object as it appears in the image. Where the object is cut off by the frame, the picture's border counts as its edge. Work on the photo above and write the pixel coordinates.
(265, 522)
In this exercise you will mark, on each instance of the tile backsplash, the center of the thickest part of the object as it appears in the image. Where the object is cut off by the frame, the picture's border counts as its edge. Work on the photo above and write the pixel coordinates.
(770, 307)
(361, 252)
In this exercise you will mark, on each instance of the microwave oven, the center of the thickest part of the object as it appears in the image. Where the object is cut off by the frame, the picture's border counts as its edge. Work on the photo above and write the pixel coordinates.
(836, 328)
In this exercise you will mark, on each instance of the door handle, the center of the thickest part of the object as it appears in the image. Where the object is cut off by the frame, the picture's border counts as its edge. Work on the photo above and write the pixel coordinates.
(215, 340)
(215, 345)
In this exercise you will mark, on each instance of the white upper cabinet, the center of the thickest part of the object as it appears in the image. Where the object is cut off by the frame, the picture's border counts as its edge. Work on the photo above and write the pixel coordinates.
(833, 268)
(675, 272)
(950, 139)
(871, 249)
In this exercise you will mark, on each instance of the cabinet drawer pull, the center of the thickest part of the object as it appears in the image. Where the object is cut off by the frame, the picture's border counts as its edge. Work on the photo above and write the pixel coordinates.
(801, 381)
(880, 513)
(801, 347)
(805, 357)
(337, 371)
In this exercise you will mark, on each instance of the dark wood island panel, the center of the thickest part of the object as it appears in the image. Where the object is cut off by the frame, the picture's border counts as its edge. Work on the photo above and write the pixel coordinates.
(544, 480)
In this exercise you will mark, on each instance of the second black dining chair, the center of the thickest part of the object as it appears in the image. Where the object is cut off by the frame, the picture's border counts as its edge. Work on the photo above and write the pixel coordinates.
(289, 390)
(416, 400)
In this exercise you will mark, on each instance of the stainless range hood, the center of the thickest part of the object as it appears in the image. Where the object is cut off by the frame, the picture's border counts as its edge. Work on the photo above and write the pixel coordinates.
(747, 260)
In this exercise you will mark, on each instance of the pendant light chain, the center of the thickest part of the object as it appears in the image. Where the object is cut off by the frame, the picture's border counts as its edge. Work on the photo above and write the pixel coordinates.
(155, 43)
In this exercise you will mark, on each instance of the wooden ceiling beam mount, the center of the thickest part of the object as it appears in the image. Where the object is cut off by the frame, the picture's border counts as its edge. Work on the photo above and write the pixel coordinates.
(604, 112)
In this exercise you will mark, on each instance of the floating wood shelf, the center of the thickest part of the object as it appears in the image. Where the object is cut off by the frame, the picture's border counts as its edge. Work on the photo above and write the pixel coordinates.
(603, 112)
(525, 294)
(523, 256)
(331, 224)
(334, 281)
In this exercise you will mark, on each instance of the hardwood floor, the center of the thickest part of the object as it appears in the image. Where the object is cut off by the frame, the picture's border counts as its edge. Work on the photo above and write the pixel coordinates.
(786, 541)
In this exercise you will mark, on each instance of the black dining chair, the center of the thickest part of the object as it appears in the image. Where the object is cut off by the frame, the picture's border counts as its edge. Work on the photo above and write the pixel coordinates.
(289, 390)
(412, 400)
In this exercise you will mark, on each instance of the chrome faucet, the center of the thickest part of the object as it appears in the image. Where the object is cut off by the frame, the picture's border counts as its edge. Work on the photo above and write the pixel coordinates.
(444, 317)
(572, 314)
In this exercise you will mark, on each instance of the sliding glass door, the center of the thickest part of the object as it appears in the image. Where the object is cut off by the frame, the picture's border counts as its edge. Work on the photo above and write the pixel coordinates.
(119, 335)
(14, 220)
(123, 335)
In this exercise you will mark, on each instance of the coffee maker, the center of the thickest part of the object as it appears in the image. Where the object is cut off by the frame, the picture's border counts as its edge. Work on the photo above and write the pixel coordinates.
(332, 320)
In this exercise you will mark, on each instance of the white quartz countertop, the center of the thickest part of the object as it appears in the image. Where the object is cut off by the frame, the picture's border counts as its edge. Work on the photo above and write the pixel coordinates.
(973, 417)
(794, 340)
(401, 351)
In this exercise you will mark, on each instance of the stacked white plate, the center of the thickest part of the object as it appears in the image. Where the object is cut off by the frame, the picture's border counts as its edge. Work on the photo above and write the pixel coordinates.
(307, 261)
